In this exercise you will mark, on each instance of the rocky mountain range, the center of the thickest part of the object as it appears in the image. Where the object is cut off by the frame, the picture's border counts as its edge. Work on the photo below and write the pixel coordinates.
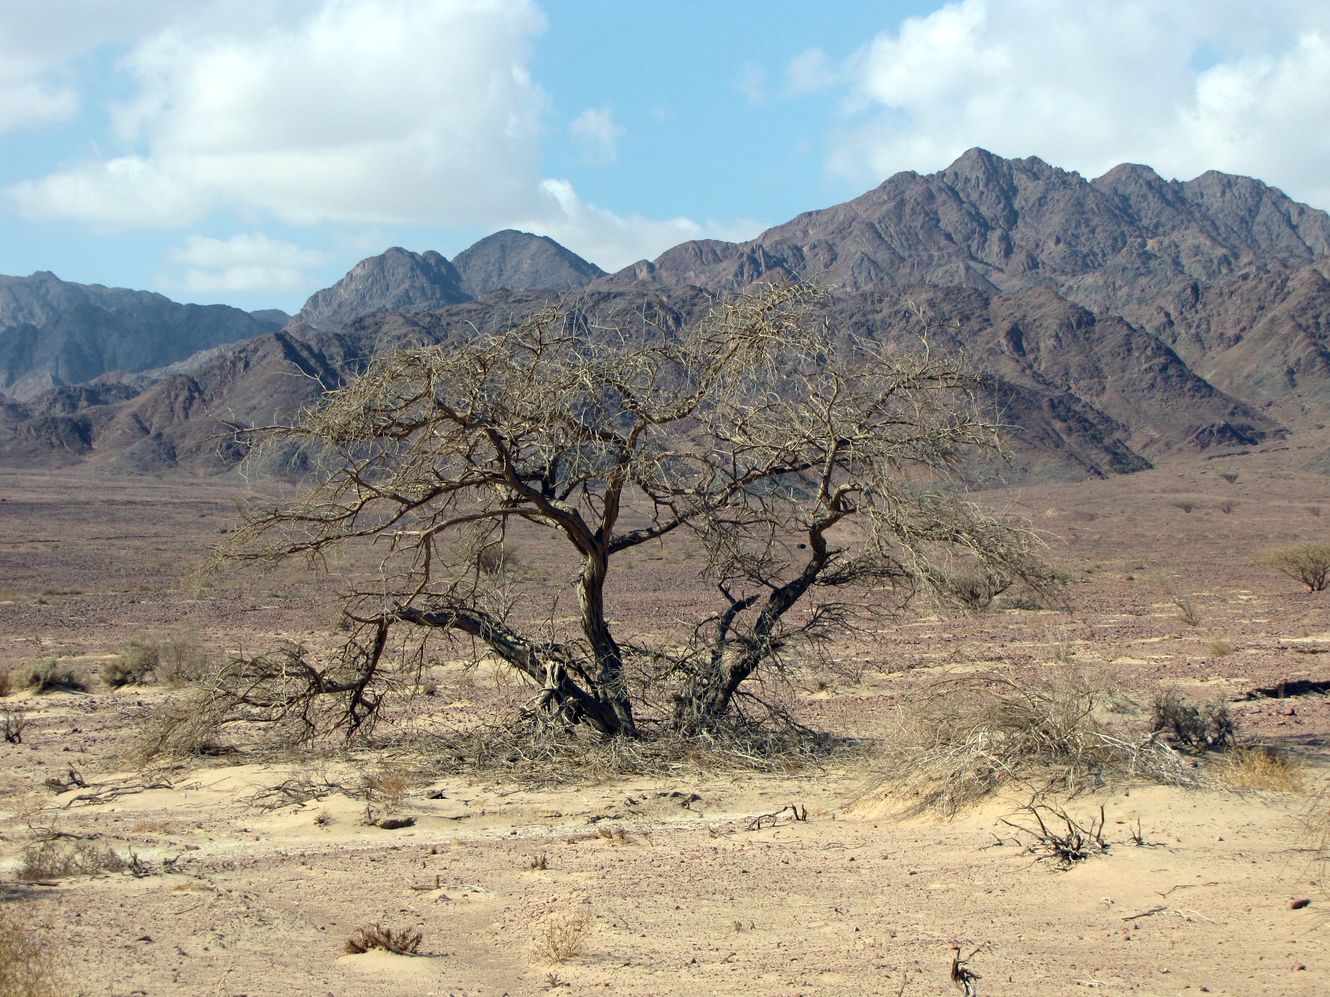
(400, 280)
(1120, 319)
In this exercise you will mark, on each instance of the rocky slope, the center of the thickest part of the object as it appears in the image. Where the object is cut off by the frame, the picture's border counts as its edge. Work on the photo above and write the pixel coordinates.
(53, 332)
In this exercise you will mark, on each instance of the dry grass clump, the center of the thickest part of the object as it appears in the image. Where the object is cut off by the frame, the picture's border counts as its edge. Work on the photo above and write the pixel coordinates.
(375, 936)
(564, 938)
(1263, 770)
(969, 736)
(26, 965)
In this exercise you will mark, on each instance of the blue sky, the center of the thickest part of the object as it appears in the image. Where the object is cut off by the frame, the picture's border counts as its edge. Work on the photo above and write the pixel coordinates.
(251, 151)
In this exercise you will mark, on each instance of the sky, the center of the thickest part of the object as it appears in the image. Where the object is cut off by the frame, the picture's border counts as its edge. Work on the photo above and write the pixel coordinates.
(250, 152)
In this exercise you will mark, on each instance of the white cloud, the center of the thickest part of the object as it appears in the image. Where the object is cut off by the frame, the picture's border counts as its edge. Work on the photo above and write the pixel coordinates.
(595, 131)
(363, 111)
(614, 241)
(1183, 87)
(752, 83)
(810, 72)
(242, 263)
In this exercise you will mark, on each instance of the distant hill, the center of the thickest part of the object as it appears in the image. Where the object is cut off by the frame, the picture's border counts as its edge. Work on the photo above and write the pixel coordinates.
(54, 333)
(400, 280)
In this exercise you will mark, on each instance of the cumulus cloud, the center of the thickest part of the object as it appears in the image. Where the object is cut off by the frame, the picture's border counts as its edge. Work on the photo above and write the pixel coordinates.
(243, 263)
(1182, 87)
(363, 111)
(598, 135)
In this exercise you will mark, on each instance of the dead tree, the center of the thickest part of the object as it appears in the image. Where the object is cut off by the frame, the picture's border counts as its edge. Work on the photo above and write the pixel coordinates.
(813, 470)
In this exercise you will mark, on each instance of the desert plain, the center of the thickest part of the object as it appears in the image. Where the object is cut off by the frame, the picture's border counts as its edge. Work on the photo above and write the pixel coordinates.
(251, 867)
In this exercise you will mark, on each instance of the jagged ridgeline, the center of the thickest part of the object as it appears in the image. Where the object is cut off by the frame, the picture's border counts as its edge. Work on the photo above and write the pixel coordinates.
(1118, 320)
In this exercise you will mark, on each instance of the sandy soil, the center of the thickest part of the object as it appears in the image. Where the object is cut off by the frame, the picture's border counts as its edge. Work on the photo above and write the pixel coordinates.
(671, 883)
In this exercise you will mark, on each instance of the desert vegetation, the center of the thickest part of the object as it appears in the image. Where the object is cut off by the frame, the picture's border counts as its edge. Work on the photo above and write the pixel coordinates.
(1307, 564)
(814, 474)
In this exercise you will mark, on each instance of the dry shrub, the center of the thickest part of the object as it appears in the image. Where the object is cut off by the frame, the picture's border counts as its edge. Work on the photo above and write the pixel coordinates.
(182, 660)
(535, 752)
(1262, 769)
(6, 682)
(12, 724)
(26, 965)
(1209, 728)
(969, 736)
(137, 661)
(60, 858)
(185, 728)
(1306, 563)
(974, 589)
(49, 676)
(375, 936)
(387, 787)
(564, 938)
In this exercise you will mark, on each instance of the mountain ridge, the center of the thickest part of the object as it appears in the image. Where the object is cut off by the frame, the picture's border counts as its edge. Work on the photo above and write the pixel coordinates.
(1118, 320)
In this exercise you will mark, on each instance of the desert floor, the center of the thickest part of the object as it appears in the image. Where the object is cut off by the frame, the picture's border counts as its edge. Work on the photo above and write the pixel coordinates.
(671, 883)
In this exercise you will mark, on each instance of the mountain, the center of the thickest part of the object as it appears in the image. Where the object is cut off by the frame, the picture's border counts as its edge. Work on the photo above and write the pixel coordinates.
(1117, 321)
(53, 332)
(400, 280)
(396, 280)
(518, 261)
(1005, 225)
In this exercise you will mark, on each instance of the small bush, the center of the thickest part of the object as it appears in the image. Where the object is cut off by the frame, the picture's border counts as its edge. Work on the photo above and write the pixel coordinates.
(59, 858)
(12, 724)
(135, 664)
(976, 589)
(6, 683)
(1307, 563)
(1230, 476)
(971, 735)
(564, 938)
(1188, 725)
(182, 660)
(26, 966)
(376, 936)
(49, 676)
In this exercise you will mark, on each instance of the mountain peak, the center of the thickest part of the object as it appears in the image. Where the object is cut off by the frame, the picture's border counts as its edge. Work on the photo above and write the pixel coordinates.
(395, 280)
(520, 261)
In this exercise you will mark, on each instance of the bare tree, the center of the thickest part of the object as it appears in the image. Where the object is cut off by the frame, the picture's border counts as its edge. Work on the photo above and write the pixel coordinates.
(811, 468)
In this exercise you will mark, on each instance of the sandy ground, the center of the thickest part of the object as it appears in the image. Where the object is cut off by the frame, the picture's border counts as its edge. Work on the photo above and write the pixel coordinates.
(672, 883)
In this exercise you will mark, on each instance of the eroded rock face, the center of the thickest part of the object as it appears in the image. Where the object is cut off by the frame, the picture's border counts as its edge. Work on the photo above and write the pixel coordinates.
(54, 333)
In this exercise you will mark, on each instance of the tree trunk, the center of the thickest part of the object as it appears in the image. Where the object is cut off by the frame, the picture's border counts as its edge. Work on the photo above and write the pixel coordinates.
(609, 685)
